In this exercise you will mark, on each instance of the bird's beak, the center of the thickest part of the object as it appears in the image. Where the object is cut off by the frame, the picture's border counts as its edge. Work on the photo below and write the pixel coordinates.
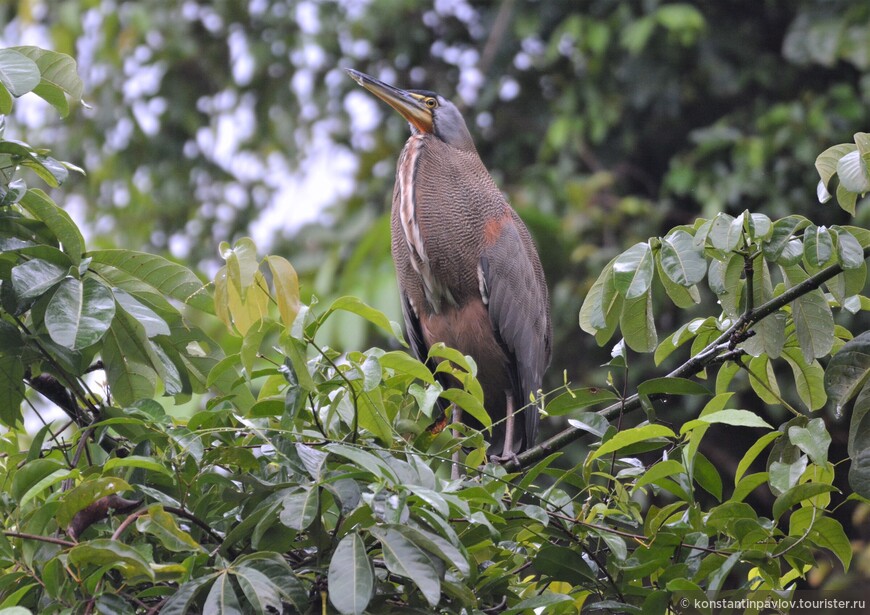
(409, 104)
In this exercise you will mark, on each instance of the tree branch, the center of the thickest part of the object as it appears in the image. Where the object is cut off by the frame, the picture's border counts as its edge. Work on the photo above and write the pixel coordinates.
(710, 354)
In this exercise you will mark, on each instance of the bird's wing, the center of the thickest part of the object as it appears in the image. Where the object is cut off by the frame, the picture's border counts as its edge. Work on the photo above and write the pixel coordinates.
(413, 329)
(518, 304)
(414, 332)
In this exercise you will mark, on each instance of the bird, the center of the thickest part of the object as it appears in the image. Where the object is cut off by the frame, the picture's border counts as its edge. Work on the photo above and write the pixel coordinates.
(468, 272)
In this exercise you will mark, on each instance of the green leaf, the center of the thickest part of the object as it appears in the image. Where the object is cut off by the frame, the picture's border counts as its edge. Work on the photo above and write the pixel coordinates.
(222, 598)
(826, 532)
(759, 226)
(672, 386)
(469, 403)
(125, 360)
(535, 604)
(137, 461)
(372, 412)
(662, 469)
(683, 262)
(827, 161)
(725, 375)
(5, 109)
(637, 324)
(633, 271)
(706, 475)
(79, 313)
(86, 494)
(725, 280)
(853, 173)
(791, 254)
(848, 370)
(859, 438)
(405, 559)
(846, 199)
(813, 319)
(576, 399)
(18, 73)
(51, 171)
(798, 494)
(34, 277)
(809, 379)
(403, 363)
(726, 232)
(747, 485)
(376, 317)
(782, 233)
(601, 306)
(153, 324)
(164, 276)
(442, 548)
(859, 410)
(818, 245)
(822, 192)
(242, 264)
(275, 568)
(769, 335)
(762, 379)
(718, 576)
(590, 421)
(593, 311)
(849, 251)
(681, 296)
(632, 436)
(301, 507)
(11, 389)
(813, 439)
(314, 460)
(562, 564)
(161, 524)
(58, 221)
(729, 416)
(32, 474)
(366, 460)
(286, 285)
(111, 553)
(261, 591)
(251, 342)
(753, 452)
(183, 599)
(615, 543)
(351, 576)
(59, 77)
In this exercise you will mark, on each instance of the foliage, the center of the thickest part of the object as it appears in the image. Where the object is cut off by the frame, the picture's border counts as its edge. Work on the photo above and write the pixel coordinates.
(308, 475)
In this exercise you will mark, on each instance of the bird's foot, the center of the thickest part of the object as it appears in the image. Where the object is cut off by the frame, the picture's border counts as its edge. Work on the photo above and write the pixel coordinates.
(505, 457)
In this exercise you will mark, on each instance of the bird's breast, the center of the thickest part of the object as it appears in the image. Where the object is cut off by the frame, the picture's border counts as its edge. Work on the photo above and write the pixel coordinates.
(445, 209)
(424, 245)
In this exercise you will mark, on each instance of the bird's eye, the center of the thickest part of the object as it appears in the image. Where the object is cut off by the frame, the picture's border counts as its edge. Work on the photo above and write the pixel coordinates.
(431, 103)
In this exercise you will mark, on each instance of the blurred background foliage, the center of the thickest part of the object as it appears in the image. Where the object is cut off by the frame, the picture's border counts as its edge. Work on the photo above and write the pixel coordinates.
(605, 121)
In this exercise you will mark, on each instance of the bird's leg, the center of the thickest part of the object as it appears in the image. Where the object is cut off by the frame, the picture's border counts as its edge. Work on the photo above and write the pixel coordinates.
(507, 452)
(457, 418)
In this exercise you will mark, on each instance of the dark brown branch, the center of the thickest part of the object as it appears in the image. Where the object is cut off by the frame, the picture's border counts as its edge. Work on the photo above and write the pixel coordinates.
(711, 354)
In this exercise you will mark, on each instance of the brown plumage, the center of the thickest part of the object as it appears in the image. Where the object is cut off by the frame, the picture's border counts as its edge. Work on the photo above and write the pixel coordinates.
(468, 271)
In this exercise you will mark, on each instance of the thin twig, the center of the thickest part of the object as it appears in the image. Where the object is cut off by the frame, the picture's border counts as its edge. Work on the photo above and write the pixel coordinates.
(51, 539)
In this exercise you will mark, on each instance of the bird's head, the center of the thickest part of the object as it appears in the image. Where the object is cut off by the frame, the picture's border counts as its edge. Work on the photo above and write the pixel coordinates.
(426, 112)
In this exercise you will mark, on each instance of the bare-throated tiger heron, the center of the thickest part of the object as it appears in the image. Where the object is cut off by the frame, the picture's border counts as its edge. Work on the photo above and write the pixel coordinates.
(468, 271)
